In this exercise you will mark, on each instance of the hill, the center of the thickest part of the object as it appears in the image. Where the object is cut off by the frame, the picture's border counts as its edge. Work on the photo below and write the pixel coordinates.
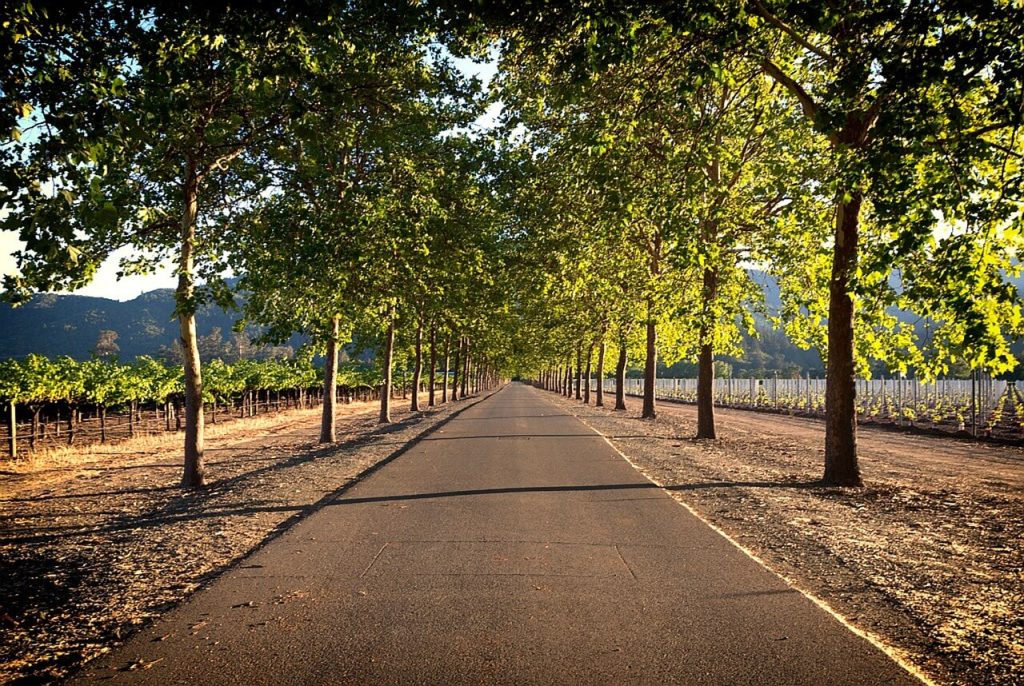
(78, 326)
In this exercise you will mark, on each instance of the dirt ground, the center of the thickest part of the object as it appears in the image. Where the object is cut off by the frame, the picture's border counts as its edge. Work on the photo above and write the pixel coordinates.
(928, 556)
(92, 550)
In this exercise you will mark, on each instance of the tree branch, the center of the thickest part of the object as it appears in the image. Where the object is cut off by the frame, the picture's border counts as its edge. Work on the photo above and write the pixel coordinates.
(763, 12)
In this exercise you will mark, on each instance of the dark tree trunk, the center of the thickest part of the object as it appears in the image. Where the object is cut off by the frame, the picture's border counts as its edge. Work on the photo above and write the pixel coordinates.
(706, 363)
(385, 391)
(457, 369)
(465, 368)
(620, 378)
(579, 371)
(417, 370)
(194, 475)
(586, 383)
(447, 358)
(328, 432)
(841, 468)
(602, 350)
(650, 369)
(103, 423)
(433, 367)
(131, 419)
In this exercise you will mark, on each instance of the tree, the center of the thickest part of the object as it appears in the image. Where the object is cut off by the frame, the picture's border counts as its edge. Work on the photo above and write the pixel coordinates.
(183, 103)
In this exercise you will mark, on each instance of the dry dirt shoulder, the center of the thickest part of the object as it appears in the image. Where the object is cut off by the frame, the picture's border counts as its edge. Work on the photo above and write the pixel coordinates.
(928, 556)
(90, 551)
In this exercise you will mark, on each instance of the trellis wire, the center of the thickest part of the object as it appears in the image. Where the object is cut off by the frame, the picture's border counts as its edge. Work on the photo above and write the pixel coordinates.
(980, 406)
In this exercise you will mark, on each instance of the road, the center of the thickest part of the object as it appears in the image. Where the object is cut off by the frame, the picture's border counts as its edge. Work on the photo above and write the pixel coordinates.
(511, 545)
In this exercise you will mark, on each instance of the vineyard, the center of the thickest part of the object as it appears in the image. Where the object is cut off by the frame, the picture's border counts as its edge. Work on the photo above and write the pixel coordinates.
(979, 407)
(62, 402)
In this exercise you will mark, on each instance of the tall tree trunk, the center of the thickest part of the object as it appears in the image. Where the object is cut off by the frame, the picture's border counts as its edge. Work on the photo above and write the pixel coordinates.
(465, 369)
(620, 378)
(447, 359)
(579, 371)
(385, 391)
(417, 370)
(568, 376)
(706, 363)
(841, 468)
(103, 423)
(458, 362)
(433, 365)
(586, 382)
(328, 432)
(194, 475)
(602, 350)
(650, 367)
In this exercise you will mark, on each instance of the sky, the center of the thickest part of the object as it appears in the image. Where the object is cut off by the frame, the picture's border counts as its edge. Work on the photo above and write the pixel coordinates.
(106, 284)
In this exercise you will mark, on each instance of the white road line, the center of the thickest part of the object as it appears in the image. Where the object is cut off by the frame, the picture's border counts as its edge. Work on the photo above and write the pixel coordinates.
(897, 655)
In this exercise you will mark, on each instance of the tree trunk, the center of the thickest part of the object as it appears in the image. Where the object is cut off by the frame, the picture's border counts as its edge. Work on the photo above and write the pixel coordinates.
(650, 368)
(328, 432)
(447, 358)
(417, 370)
(433, 366)
(458, 362)
(602, 349)
(586, 383)
(620, 378)
(194, 475)
(579, 371)
(103, 423)
(385, 391)
(841, 468)
(131, 418)
(465, 369)
(706, 363)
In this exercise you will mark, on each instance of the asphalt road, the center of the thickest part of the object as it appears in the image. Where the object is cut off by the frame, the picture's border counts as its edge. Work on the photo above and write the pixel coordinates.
(512, 545)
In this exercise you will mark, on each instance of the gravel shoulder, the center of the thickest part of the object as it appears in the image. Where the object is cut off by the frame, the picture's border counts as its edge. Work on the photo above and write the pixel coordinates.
(91, 552)
(928, 557)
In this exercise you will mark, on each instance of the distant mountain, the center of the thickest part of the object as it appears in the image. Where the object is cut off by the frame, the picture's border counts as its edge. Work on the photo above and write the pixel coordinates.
(77, 325)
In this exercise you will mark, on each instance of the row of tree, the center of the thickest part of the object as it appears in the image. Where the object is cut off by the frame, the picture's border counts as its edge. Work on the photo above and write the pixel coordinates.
(865, 154)
(316, 154)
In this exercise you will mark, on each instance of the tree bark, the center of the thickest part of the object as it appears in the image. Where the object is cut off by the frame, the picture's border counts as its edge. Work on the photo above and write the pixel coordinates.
(706, 363)
(328, 432)
(417, 370)
(650, 368)
(433, 366)
(586, 382)
(458, 362)
(465, 369)
(620, 378)
(602, 350)
(579, 371)
(385, 391)
(447, 358)
(194, 475)
(841, 467)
